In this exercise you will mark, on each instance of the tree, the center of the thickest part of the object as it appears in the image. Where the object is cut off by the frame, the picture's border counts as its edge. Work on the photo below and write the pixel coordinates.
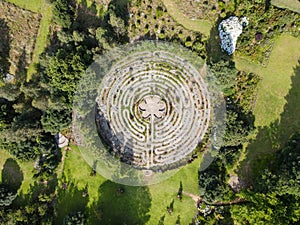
(266, 209)
(117, 24)
(239, 126)
(6, 196)
(54, 121)
(75, 218)
(283, 175)
(64, 71)
(212, 184)
(63, 13)
(225, 74)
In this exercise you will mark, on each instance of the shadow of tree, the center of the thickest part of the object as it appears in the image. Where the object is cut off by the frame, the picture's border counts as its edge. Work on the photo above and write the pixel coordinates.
(120, 204)
(35, 190)
(162, 220)
(260, 151)
(70, 199)
(120, 8)
(87, 16)
(12, 175)
(4, 46)
(213, 46)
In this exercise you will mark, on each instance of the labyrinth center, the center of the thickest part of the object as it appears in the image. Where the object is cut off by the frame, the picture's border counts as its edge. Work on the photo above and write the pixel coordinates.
(153, 109)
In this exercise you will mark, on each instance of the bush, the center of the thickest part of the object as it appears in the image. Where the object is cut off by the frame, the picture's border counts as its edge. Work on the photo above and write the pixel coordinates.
(6, 196)
(75, 218)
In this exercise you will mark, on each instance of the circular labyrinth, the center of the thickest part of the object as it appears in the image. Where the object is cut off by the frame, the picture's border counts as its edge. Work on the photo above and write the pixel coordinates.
(153, 109)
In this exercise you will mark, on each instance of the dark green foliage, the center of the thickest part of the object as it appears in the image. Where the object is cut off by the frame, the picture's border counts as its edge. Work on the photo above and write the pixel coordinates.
(245, 90)
(75, 218)
(6, 196)
(64, 71)
(48, 159)
(225, 75)
(54, 121)
(63, 13)
(230, 154)
(212, 184)
(239, 126)
(38, 208)
(283, 175)
(266, 209)
(116, 22)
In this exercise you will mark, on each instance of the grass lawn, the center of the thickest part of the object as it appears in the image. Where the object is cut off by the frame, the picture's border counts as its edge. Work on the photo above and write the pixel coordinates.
(276, 79)
(277, 105)
(26, 168)
(201, 26)
(163, 194)
(143, 205)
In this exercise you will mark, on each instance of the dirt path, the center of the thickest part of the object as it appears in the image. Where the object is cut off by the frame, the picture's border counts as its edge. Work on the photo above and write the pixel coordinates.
(197, 199)
(193, 196)
(64, 153)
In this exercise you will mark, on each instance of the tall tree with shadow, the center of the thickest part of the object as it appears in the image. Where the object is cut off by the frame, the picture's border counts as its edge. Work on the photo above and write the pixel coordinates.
(116, 21)
(120, 204)
(71, 200)
(12, 178)
(33, 207)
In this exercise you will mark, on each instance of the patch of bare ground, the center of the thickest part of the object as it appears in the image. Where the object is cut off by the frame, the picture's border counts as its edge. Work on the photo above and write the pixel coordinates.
(204, 9)
(19, 29)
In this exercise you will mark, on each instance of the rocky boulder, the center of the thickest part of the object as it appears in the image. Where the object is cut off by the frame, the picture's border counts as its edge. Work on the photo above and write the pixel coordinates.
(229, 30)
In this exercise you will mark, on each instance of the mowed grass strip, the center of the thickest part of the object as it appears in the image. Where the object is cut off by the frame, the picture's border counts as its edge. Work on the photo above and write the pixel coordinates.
(202, 26)
(276, 79)
(165, 192)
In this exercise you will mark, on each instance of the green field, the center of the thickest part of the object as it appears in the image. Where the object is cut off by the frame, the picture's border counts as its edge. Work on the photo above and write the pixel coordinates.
(145, 205)
(276, 79)
(277, 106)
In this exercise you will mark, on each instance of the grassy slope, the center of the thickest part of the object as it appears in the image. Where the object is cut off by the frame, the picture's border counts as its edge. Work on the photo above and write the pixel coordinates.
(163, 193)
(45, 9)
(76, 171)
(276, 79)
(276, 112)
(202, 26)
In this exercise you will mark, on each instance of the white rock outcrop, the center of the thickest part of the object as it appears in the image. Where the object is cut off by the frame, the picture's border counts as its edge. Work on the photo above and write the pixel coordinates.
(61, 140)
(229, 31)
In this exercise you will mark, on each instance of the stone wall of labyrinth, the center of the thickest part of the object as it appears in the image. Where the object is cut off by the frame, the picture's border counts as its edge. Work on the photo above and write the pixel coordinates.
(153, 109)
